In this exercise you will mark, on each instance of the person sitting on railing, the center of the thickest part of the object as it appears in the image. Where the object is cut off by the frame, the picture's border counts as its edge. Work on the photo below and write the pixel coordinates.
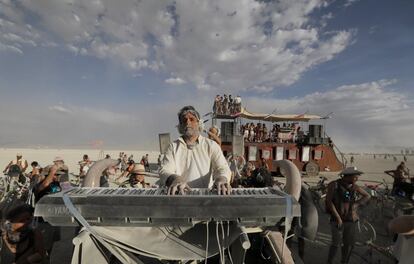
(273, 133)
(259, 132)
(237, 104)
(231, 106)
(245, 132)
(225, 105)
(216, 104)
(265, 134)
(252, 133)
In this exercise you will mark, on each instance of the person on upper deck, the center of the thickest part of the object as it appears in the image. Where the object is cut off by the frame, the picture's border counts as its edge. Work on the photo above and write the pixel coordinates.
(193, 160)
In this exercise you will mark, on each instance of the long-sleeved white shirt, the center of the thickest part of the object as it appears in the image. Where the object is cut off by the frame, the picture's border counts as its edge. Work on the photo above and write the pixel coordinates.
(199, 165)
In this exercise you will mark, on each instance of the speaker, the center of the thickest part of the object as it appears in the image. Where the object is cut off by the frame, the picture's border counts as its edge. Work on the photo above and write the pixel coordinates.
(238, 146)
(165, 141)
(314, 141)
(227, 131)
(315, 131)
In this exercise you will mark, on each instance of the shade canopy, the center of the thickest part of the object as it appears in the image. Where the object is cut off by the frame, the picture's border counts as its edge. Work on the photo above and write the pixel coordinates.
(277, 118)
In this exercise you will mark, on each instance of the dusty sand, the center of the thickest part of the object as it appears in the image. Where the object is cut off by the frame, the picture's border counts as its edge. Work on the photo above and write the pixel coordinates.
(316, 252)
(70, 156)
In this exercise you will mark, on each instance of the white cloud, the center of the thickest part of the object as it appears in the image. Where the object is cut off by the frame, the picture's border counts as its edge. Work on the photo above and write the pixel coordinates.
(15, 38)
(350, 2)
(5, 47)
(59, 108)
(365, 114)
(231, 45)
(175, 81)
(102, 116)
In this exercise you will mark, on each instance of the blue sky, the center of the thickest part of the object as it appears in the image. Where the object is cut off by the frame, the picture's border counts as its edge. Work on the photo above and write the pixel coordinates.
(72, 72)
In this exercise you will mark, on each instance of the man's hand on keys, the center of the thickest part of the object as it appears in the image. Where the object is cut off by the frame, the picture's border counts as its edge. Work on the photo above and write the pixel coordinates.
(177, 186)
(222, 185)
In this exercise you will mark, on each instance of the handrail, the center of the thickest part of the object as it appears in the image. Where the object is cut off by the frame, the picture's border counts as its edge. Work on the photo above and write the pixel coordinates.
(336, 149)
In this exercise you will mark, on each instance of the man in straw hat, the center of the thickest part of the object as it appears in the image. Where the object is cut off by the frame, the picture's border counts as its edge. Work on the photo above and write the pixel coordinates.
(137, 177)
(342, 202)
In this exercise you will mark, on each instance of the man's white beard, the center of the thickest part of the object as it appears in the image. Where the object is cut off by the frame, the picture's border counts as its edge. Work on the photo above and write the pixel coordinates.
(190, 132)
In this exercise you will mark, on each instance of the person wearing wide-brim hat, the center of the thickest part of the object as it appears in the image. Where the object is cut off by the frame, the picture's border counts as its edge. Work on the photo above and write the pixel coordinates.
(351, 171)
(342, 202)
(137, 176)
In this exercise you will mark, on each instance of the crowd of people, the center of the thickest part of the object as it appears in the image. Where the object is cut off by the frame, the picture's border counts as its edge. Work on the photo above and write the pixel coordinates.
(191, 161)
(259, 132)
(22, 242)
(227, 105)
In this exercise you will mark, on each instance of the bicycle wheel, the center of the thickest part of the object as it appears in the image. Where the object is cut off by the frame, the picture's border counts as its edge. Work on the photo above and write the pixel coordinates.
(365, 233)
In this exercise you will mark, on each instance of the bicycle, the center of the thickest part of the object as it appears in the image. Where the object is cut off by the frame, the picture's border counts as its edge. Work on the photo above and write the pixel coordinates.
(379, 202)
(402, 206)
(4, 182)
(15, 192)
(365, 233)
(368, 255)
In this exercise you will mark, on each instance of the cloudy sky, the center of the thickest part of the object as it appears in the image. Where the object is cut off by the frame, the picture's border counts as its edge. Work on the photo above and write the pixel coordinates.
(75, 72)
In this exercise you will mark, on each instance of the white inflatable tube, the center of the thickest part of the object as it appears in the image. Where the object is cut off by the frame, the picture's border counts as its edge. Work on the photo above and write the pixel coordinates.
(92, 178)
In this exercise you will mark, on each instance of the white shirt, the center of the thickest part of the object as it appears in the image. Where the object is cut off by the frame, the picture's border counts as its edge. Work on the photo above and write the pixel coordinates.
(199, 165)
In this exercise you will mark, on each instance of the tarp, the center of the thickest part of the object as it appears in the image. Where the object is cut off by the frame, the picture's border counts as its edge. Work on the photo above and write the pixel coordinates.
(277, 118)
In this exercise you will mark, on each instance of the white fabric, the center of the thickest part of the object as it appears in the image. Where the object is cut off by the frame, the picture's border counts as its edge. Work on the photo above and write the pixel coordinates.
(199, 165)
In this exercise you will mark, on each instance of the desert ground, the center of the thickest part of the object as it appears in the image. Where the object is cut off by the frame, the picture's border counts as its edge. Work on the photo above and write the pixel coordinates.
(70, 156)
(315, 251)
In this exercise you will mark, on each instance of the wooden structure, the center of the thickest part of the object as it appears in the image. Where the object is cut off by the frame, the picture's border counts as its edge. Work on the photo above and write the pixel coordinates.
(310, 151)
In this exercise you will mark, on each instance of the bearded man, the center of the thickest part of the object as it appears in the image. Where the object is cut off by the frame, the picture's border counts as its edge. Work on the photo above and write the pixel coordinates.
(193, 161)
